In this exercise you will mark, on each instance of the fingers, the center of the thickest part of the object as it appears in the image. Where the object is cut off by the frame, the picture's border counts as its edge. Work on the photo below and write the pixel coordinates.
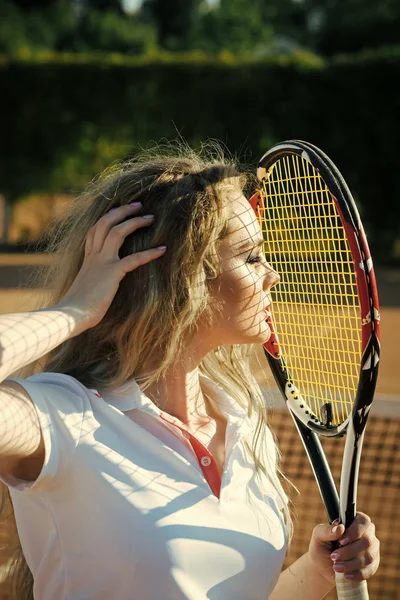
(359, 568)
(324, 533)
(358, 528)
(98, 234)
(361, 545)
(355, 557)
(89, 241)
(109, 233)
(357, 563)
(118, 233)
(133, 261)
(358, 559)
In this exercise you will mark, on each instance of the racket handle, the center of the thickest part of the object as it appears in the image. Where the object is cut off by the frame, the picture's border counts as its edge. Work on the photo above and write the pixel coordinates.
(350, 590)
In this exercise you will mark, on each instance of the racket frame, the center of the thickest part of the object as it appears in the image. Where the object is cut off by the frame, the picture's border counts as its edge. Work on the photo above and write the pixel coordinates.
(366, 286)
(308, 424)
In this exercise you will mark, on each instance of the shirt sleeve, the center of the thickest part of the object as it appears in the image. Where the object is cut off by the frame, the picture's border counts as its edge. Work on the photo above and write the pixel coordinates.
(59, 401)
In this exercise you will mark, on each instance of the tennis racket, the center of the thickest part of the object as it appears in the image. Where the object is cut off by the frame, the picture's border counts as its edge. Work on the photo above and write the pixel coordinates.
(324, 318)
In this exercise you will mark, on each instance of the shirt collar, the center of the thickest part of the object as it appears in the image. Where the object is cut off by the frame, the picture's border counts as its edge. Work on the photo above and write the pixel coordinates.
(129, 396)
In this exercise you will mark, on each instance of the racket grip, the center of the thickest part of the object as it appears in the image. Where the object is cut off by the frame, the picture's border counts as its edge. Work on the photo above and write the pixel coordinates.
(350, 590)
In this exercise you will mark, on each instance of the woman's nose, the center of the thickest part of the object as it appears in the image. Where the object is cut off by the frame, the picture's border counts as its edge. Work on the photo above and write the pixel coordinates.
(271, 278)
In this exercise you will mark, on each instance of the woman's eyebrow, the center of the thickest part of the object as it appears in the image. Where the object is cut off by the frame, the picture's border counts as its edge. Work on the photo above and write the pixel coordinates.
(252, 243)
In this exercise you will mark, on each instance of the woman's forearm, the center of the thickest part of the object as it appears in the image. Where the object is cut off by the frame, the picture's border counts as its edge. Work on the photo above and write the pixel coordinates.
(302, 582)
(25, 337)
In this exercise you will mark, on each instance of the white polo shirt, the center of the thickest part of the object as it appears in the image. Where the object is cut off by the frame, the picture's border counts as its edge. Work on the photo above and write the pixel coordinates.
(132, 508)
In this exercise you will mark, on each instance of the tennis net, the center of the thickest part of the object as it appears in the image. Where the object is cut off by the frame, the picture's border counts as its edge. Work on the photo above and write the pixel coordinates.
(378, 489)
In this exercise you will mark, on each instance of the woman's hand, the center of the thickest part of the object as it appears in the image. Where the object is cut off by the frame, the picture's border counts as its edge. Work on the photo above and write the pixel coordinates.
(98, 280)
(357, 559)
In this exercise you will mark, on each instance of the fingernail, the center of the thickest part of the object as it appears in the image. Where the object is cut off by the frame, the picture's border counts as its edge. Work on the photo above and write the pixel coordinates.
(338, 567)
(334, 529)
(111, 209)
(135, 204)
(161, 247)
(349, 576)
(335, 556)
(148, 216)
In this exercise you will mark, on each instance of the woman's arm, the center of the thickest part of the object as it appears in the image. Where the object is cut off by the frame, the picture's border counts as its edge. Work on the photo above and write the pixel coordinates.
(301, 581)
(28, 336)
(25, 337)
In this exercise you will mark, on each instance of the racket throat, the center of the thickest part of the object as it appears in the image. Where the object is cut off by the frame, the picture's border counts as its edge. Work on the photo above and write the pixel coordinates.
(298, 405)
(320, 467)
(349, 475)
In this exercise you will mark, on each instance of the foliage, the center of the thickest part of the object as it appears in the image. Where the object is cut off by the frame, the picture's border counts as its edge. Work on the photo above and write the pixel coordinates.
(63, 131)
(242, 28)
(109, 32)
(29, 5)
(60, 27)
(233, 27)
(85, 82)
(354, 25)
(35, 30)
(105, 5)
(173, 20)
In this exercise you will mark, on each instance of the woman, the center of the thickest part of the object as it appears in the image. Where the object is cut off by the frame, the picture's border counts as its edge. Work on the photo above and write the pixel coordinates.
(138, 456)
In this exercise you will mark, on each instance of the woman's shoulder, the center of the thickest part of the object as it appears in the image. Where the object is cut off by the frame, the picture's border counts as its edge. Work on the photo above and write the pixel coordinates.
(49, 387)
(57, 379)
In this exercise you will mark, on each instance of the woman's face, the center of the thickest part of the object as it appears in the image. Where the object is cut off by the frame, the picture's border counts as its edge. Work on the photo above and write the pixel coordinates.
(245, 281)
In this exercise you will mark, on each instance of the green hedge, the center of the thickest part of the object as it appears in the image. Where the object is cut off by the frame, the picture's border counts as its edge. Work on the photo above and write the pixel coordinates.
(64, 118)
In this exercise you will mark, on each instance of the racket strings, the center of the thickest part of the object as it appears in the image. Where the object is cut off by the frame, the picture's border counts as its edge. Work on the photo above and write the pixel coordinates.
(315, 307)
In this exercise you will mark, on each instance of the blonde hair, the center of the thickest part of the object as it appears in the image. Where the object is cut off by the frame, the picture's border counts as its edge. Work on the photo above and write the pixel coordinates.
(157, 305)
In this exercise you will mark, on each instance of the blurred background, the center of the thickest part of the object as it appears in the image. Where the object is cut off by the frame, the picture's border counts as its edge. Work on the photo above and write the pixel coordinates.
(86, 82)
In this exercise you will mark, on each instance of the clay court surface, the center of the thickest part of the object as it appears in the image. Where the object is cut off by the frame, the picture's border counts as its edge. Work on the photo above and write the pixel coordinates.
(379, 484)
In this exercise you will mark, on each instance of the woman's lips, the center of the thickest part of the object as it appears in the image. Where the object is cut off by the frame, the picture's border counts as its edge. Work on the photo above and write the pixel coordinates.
(267, 310)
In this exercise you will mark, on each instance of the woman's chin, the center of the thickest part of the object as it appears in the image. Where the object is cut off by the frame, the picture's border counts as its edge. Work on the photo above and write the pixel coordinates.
(259, 337)
(266, 336)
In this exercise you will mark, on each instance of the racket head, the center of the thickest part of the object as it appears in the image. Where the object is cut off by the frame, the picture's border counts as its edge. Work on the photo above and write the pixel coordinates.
(325, 309)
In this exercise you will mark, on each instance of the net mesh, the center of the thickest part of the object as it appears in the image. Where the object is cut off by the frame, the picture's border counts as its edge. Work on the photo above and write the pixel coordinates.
(378, 493)
(315, 307)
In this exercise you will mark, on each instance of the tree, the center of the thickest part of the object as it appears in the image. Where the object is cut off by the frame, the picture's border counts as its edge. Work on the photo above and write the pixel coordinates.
(110, 32)
(234, 25)
(39, 29)
(62, 28)
(287, 18)
(30, 5)
(105, 5)
(174, 20)
(353, 25)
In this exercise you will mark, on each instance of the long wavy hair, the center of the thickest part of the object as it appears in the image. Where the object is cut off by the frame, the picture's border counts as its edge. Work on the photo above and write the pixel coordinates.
(158, 304)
